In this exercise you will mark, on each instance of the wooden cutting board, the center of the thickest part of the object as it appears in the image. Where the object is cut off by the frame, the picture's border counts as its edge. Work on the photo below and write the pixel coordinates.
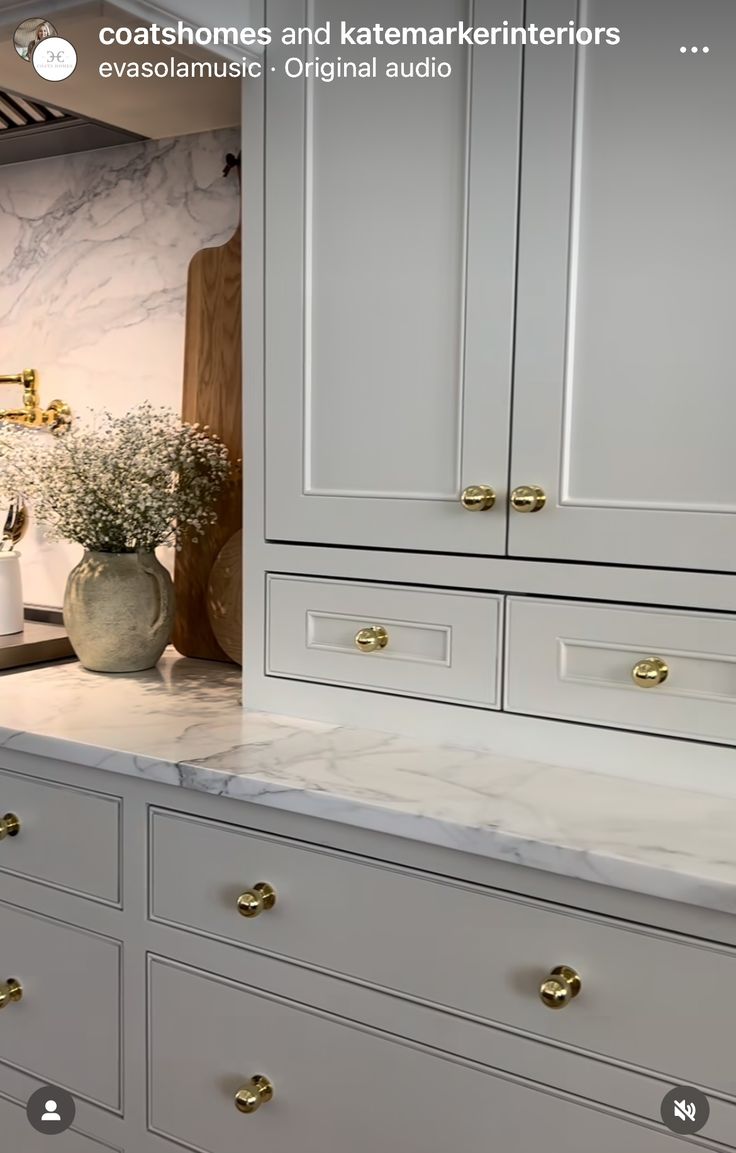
(213, 396)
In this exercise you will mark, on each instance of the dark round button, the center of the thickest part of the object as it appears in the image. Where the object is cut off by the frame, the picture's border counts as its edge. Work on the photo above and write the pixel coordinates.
(50, 1109)
(684, 1109)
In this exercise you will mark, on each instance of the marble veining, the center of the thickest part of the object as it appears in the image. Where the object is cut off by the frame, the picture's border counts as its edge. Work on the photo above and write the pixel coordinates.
(182, 724)
(94, 250)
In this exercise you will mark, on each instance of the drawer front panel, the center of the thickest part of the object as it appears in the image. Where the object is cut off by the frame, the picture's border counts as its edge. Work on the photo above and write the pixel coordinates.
(66, 1028)
(439, 645)
(19, 1137)
(69, 838)
(577, 661)
(337, 1086)
(455, 946)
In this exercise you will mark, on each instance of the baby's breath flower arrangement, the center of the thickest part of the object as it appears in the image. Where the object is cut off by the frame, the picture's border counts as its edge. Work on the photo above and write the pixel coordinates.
(119, 484)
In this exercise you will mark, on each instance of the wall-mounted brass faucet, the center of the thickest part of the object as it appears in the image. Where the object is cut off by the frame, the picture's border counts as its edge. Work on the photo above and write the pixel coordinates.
(56, 417)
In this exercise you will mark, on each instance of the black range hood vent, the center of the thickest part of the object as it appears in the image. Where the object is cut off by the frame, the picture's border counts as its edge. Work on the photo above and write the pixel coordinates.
(18, 112)
(31, 130)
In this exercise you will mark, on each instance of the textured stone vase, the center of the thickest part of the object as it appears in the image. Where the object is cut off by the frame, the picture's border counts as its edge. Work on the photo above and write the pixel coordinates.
(119, 611)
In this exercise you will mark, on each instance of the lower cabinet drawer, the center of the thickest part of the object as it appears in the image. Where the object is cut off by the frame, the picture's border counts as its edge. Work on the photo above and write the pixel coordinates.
(456, 946)
(648, 669)
(338, 1086)
(18, 1136)
(418, 642)
(44, 848)
(65, 1029)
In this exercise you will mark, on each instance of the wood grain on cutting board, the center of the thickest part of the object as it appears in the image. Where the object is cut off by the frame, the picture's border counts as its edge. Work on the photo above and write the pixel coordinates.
(213, 396)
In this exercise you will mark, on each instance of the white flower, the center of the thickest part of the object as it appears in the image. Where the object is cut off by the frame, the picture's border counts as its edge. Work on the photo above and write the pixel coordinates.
(123, 484)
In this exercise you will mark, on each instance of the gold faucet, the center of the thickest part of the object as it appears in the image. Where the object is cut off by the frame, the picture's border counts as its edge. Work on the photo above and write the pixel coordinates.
(56, 417)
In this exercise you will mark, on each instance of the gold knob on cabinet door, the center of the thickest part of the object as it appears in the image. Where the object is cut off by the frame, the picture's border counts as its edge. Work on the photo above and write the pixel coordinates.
(257, 900)
(370, 639)
(10, 990)
(528, 498)
(650, 672)
(478, 497)
(9, 826)
(560, 987)
(258, 1091)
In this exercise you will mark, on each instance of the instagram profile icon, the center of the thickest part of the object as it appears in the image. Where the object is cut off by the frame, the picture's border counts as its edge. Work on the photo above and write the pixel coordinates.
(53, 57)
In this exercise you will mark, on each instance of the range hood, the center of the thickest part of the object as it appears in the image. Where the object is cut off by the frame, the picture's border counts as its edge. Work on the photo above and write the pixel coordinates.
(31, 130)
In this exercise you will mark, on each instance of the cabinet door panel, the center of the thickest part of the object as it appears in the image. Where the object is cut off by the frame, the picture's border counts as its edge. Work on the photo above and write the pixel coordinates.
(624, 398)
(390, 249)
(66, 1029)
(339, 1087)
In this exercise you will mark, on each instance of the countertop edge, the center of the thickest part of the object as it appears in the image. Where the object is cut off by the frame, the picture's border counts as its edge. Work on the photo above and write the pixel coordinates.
(547, 855)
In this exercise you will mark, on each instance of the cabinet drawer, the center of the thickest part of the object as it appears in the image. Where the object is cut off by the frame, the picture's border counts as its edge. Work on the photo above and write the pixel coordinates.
(68, 838)
(337, 1085)
(66, 1028)
(576, 661)
(20, 1137)
(457, 946)
(439, 645)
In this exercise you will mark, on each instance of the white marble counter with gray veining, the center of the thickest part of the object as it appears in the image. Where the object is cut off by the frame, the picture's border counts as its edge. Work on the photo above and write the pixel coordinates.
(182, 724)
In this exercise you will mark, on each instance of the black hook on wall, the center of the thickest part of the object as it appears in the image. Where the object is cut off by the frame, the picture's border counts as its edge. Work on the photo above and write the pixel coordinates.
(232, 161)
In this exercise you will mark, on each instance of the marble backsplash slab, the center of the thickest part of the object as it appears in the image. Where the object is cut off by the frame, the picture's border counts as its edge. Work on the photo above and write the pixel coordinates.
(94, 250)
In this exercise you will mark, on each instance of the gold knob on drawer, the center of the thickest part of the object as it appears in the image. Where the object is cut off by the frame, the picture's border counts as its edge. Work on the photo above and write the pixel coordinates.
(560, 987)
(257, 900)
(478, 497)
(370, 639)
(528, 498)
(258, 1091)
(10, 990)
(9, 826)
(650, 672)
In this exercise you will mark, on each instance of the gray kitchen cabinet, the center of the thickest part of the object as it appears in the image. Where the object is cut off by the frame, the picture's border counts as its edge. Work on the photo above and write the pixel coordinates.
(390, 995)
(590, 661)
(518, 277)
(63, 970)
(198, 870)
(624, 406)
(88, 866)
(390, 241)
(391, 233)
(337, 1086)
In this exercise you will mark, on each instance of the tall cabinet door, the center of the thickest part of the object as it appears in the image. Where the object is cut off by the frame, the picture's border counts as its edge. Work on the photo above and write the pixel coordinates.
(390, 261)
(625, 386)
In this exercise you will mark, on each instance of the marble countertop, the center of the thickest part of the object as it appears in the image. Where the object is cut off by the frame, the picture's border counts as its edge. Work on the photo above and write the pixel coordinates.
(182, 724)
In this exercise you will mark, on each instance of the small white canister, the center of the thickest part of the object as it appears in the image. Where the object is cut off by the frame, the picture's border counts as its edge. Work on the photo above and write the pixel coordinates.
(11, 594)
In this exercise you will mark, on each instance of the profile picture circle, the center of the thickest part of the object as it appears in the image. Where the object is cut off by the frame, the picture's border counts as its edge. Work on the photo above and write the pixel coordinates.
(30, 33)
(55, 58)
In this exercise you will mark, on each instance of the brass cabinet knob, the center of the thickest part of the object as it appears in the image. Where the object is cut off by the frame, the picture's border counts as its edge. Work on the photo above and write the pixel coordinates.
(478, 497)
(257, 900)
(528, 498)
(560, 987)
(650, 672)
(9, 826)
(258, 1091)
(10, 990)
(370, 639)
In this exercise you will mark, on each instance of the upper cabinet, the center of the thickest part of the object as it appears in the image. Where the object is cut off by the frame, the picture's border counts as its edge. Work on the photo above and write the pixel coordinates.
(393, 304)
(390, 255)
(624, 397)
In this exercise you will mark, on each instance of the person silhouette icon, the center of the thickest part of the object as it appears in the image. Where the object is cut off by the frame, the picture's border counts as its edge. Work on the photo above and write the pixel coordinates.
(50, 1109)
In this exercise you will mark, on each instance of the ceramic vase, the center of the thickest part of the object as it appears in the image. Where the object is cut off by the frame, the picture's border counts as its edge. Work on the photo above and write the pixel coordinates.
(119, 611)
(11, 594)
